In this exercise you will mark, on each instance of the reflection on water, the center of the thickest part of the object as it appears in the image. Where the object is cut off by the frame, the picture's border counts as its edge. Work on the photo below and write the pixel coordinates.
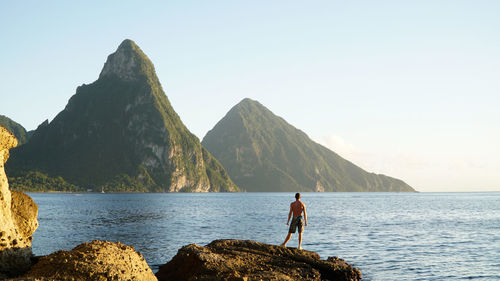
(389, 236)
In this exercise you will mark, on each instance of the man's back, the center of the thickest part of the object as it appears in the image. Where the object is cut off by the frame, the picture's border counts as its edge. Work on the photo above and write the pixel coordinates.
(297, 208)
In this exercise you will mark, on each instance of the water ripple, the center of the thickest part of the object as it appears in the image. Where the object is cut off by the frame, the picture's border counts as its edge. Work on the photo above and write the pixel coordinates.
(389, 236)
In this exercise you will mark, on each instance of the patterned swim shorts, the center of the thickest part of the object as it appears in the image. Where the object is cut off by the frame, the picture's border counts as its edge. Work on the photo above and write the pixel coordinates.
(296, 222)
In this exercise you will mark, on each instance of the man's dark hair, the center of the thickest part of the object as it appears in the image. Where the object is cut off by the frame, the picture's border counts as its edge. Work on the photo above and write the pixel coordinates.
(297, 195)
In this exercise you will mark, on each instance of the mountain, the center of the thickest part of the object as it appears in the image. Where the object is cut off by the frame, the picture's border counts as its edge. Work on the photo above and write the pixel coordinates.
(262, 152)
(15, 128)
(120, 133)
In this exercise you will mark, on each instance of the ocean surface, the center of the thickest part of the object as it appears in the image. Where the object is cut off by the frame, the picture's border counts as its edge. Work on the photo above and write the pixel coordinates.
(388, 236)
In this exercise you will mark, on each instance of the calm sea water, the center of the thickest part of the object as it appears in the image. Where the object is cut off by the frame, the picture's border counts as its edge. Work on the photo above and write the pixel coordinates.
(388, 236)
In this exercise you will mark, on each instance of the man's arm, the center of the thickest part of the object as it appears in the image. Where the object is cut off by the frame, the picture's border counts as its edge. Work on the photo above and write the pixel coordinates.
(289, 215)
(305, 213)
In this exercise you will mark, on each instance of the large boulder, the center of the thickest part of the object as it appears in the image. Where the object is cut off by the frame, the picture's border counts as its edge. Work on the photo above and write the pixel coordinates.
(18, 218)
(97, 260)
(250, 260)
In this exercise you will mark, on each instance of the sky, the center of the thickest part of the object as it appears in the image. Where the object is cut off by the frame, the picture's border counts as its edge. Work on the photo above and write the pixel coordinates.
(409, 89)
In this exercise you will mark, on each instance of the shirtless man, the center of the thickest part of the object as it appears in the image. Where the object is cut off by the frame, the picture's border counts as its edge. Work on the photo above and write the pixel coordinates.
(296, 208)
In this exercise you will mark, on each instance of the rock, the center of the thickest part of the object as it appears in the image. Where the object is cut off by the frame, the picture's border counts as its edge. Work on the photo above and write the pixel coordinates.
(24, 212)
(18, 218)
(97, 260)
(250, 260)
(15, 128)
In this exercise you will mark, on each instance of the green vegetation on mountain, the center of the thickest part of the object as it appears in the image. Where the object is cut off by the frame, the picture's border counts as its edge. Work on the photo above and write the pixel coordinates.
(15, 128)
(262, 152)
(120, 133)
(34, 181)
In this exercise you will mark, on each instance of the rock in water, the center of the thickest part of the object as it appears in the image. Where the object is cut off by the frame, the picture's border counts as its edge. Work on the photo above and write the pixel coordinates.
(250, 260)
(121, 133)
(97, 260)
(262, 152)
(18, 218)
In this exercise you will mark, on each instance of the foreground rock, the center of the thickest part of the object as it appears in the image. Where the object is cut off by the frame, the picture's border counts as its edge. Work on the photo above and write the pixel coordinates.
(98, 260)
(18, 221)
(249, 260)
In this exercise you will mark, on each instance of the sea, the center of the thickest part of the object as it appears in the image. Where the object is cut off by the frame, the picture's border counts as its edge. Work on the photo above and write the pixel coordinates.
(388, 236)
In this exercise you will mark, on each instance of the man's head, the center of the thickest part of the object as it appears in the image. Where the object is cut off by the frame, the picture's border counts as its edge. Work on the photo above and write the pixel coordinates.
(297, 196)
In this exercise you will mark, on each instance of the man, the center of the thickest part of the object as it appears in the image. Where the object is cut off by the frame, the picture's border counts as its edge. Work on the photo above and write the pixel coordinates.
(296, 208)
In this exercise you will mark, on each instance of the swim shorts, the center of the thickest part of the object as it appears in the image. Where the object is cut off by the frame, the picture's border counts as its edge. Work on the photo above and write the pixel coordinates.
(297, 222)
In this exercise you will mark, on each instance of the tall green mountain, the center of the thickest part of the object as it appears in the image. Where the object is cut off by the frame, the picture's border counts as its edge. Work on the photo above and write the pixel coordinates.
(121, 133)
(262, 152)
(15, 128)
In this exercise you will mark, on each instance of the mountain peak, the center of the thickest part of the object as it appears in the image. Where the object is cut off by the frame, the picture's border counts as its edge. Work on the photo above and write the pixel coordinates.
(248, 108)
(248, 102)
(248, 105)
(128, 44)
(121, 133)
(263, 152)
(127, 63)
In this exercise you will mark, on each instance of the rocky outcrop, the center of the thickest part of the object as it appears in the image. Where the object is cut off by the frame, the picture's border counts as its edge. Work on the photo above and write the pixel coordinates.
(97, 260)
(249, 260)
(24, 212)
(18, 215)
(15, 128)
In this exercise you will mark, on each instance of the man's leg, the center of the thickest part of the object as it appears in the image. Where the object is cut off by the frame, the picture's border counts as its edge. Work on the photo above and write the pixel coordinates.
(301, 229)
(287, 238)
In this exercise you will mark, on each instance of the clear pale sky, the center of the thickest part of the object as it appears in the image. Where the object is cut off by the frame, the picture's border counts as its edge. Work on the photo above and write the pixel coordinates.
(410, 89)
